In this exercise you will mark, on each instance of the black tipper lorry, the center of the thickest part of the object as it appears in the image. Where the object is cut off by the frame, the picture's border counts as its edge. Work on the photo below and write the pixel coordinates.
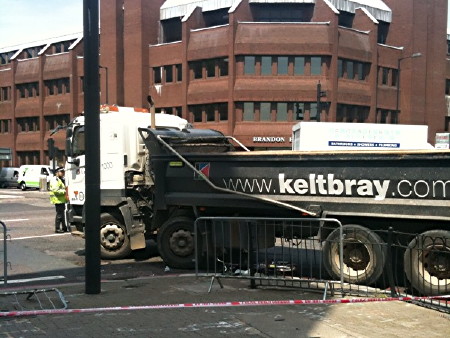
(199, 173)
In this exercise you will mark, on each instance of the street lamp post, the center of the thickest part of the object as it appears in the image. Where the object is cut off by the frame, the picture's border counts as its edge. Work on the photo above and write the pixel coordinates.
(415, 55)
(106, 75)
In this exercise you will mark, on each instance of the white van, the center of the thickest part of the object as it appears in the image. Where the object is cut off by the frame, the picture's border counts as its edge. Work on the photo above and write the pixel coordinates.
(8, 177)
(30, 175)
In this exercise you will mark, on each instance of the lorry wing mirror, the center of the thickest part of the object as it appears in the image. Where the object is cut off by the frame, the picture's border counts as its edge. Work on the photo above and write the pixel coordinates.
(76, 161)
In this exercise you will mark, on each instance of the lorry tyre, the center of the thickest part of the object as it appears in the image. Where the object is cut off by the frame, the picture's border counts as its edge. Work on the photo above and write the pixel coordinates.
(364, 255)
(176, 242)
(114, 241)
(427, 262)
(23, 186)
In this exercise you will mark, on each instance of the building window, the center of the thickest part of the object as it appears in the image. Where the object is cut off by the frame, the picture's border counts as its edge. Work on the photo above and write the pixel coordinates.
(340, 73)
(352, 113)
(5, 94)
(316, 65)
(447, 87)
(157, 75)
(210, 66)
(28, 157)
(57, 86)
(62, 47)
(168, 70)
(299, 65)
(53, 121)
(5, 126)
(282, 65)
(197, 69)
(31, 52)
(360, 70)
(394, 79)
(223, 111)
(249, 111)
(26, 90)
(197, 114)
(266, 65)
(264, 11)
(27, 124)
(5, 58)
(249, 65)
(352, 70)
(384, 75)
(299, 111)
(313, 111)
(349, 68)
(265, 111)
(216, 17)
(179, 72)
(171, 30)
(223, 67)
(210, 113)
(282, 111)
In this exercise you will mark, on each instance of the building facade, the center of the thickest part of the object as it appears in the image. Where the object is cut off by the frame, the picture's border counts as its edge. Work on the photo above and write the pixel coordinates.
(249, 68)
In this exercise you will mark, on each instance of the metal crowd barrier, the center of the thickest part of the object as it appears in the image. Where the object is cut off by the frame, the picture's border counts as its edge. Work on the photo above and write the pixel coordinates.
(322, 255)
(268, 251)
(5, 254)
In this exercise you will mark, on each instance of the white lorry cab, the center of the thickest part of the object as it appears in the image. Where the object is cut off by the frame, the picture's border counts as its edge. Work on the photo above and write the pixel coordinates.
(31, 174)
(123, 159)
(311, 136)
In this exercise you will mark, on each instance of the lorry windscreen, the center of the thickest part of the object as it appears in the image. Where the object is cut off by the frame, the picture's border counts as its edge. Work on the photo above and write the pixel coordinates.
(78, 142)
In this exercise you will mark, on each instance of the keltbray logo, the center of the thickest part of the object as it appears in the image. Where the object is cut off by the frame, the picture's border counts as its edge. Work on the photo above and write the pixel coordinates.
(204, 168)
(332, 185)
(329, 185)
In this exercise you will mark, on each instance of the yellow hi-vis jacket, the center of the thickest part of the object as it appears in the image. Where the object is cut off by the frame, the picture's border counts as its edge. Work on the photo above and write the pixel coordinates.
(57, 191)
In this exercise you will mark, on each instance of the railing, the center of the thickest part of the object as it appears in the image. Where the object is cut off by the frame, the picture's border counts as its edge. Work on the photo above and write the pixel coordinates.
(5, 254)
(321, 254)
(268, 252)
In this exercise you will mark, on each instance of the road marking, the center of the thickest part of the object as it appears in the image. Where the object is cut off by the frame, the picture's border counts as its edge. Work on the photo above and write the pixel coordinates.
(16, 281)
(16, 220)
(42, 236)
(11, 196)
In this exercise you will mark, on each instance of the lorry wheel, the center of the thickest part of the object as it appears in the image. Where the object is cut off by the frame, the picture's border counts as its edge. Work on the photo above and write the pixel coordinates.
(23, 186)
(427, 262)
(364, 255)
(114, 241)
(176, 243)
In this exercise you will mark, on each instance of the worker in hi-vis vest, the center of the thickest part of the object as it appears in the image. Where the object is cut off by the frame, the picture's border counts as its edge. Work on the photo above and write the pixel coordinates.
(58, 198)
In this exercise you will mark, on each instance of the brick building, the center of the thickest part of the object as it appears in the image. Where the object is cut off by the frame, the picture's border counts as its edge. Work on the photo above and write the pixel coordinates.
(249, 68)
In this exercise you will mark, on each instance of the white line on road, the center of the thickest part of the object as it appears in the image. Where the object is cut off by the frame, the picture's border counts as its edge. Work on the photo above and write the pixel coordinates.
(31, 237)
(11, 196)
(34, 279)
(16, 220)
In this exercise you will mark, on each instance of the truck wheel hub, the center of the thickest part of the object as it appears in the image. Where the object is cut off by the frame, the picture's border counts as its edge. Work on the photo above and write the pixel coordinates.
(436, 262)
(356, 256)
(112, 236)
(182, 243)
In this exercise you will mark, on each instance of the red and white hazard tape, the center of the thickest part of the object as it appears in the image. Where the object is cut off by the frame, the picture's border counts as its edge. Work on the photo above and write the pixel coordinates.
(218, 305)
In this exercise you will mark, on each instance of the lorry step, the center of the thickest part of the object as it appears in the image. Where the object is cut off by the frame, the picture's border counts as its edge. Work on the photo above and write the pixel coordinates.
(77, 233)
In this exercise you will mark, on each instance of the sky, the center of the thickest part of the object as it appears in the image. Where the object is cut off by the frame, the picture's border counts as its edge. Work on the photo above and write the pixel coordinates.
(26, 21)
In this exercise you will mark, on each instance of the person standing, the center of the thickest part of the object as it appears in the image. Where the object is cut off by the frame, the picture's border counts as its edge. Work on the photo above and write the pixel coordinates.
(58, 198)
